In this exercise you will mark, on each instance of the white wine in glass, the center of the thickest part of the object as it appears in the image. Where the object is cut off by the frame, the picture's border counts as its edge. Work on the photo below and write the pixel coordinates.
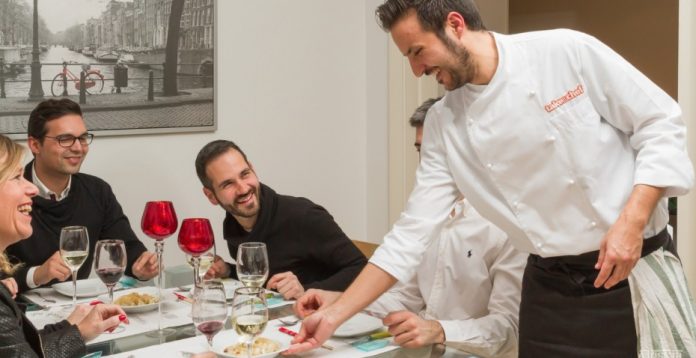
(205, 261)
(252, 264)
(249, 314)
(74, 249)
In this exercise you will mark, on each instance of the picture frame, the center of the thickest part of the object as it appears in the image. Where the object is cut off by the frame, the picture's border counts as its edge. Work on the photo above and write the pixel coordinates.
(121, 47)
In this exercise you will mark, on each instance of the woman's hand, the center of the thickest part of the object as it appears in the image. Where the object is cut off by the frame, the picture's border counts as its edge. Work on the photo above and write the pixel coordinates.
(101, 318)
(11, 285)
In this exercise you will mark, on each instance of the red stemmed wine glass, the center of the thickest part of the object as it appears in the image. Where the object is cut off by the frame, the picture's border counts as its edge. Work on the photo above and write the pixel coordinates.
(159, 222)
(195, 238)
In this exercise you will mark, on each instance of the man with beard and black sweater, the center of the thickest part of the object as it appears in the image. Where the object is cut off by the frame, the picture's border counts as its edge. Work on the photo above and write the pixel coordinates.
(59, 141)
(306, 248)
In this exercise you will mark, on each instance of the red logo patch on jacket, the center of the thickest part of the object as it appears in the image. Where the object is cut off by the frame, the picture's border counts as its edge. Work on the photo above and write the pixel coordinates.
(567, 97)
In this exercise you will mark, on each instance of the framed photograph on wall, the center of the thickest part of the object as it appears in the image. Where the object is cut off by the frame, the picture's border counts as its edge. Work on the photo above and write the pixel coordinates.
(114, 57)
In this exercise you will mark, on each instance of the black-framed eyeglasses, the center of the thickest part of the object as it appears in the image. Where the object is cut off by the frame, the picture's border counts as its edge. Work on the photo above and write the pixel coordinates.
(67, 140)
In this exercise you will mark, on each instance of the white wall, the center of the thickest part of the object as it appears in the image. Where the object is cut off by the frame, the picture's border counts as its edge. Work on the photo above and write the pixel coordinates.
(302, 89)
(687, 100)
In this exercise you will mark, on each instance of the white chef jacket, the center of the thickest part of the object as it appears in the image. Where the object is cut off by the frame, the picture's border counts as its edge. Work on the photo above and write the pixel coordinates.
(549, 151)
(470, 281)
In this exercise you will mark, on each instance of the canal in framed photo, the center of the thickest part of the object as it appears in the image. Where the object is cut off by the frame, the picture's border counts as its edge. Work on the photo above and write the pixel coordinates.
(114, 57)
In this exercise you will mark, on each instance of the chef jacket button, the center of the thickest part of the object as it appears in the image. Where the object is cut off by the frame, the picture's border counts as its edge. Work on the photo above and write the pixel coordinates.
(532, 93)
(539, 245)
(593, 224)
(571, 181)
(516, 204)
(489, 165)
(551, 138)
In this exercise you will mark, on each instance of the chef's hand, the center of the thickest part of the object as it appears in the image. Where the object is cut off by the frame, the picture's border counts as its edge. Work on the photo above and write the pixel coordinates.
(315, 330)
(313, 300)
(411, 331)
(621, 246)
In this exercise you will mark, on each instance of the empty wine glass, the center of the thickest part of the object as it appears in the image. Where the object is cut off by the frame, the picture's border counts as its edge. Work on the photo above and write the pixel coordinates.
(195, 238)
(109, 264)
(159, 222)
(209, 309)
(249, 314)
(74, 249)
(252, 264)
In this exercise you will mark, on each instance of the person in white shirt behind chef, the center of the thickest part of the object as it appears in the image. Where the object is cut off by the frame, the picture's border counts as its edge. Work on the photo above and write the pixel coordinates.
(466, 292)
(573, 153)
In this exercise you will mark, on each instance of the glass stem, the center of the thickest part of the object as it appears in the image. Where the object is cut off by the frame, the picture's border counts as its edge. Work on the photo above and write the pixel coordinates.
(159, 248)
(111, 294)
(74, 285)
(249, 344)
(196, 270)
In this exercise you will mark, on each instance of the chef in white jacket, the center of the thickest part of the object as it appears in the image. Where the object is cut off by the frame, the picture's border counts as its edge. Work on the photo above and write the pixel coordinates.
(466, 292)
(571, 151)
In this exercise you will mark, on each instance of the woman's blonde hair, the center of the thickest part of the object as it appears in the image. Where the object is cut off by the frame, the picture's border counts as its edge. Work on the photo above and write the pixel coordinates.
(11, 155)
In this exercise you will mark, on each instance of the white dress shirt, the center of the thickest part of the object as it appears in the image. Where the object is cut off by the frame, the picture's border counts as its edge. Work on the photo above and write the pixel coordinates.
(470, 281)
(549, 150)
(47, 194)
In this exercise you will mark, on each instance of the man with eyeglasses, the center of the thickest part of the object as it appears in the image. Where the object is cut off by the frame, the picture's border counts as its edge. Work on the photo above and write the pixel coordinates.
(59, 141)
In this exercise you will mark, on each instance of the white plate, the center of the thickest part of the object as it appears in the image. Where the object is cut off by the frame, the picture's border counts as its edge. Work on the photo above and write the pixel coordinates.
(142, 308)
(358, 325)
(85, 288)
(219, 349)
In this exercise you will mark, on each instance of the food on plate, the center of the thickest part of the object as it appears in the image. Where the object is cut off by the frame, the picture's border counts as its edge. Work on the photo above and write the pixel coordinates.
(261, 346)
(136, 299)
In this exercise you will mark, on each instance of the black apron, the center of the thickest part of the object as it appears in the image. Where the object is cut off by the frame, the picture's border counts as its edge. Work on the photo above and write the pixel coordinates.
(562, 314)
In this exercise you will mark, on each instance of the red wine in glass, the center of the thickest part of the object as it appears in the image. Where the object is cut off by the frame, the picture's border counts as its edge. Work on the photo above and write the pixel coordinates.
(196, 236)
(110, 276)
(210, 328)
(159, 220)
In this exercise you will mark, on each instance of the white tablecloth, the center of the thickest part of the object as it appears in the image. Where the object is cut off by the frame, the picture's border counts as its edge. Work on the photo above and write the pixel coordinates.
(198, 344)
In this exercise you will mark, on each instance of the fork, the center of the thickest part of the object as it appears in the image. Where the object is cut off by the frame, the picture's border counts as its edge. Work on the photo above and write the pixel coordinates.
(289, 320)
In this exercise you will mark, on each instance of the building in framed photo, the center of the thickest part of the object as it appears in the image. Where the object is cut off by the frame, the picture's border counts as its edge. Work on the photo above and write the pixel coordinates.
(135, 79)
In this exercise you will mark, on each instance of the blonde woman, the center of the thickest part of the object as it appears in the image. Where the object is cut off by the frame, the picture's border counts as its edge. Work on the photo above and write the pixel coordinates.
(18, 337)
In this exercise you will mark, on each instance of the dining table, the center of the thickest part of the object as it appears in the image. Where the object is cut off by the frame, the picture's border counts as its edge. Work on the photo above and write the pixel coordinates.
(140, 338)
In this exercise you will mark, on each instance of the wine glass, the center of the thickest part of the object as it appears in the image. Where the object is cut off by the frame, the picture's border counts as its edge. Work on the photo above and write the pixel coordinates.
(74, 249)
(209, 309)
(252, 264)
(109, 264)
(195, 238)
(205, 261)
(249, 314)
(159, 222)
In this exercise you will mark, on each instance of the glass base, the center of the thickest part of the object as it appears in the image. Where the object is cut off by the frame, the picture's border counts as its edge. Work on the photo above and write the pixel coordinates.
(164, 332)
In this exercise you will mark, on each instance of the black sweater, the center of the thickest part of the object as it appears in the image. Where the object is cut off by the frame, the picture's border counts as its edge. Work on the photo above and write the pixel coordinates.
(301, 237)
(89, 203)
